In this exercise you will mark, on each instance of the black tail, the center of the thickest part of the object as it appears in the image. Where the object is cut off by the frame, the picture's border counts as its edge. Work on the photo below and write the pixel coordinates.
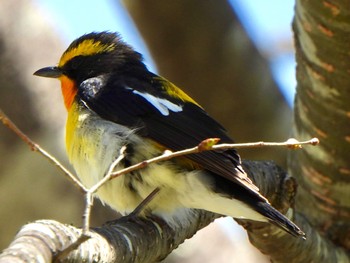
(278, 219)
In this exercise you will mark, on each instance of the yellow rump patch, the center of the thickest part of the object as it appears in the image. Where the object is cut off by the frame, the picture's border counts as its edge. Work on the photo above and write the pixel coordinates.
(85, 48)
(175, 92)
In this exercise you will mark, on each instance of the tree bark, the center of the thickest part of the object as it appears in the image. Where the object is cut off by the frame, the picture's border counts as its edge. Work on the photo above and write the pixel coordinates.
(152, 240)
(322, 109)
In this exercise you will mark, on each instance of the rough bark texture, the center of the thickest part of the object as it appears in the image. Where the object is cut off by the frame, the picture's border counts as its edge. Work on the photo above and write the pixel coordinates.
(322, 108)
(152, 240)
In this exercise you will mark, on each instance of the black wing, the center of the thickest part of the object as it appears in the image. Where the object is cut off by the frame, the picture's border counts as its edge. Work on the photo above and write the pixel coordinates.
(172, 122)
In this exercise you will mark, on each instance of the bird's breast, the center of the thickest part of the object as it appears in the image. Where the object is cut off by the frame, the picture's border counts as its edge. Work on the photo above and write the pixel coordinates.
(93, 144)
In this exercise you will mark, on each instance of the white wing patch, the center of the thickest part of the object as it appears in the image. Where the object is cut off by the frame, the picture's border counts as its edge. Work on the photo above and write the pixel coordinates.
(162, 105)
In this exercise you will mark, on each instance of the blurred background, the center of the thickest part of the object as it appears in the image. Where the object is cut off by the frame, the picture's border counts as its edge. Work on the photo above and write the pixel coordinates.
(234, 57)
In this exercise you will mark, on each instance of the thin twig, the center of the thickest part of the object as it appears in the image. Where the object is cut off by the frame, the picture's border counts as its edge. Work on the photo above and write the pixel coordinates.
(291, 143)
(145, 202)
(88, 206)
(109, 172)
(89, 201)
(89, 193)
(35, 147)
(64, 253)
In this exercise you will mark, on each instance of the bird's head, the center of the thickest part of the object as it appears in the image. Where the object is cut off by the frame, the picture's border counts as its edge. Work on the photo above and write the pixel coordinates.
(89, 56)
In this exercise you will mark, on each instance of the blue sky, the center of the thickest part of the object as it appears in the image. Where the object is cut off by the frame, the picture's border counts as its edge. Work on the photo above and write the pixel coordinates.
(266, 22)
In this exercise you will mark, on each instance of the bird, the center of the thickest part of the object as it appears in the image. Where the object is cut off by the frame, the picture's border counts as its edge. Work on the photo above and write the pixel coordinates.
(114, 101)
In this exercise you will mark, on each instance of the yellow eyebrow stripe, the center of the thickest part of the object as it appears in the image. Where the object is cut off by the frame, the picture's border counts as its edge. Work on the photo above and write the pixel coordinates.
(85, 48)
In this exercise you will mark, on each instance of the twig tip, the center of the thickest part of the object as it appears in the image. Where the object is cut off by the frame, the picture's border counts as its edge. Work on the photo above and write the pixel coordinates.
(207, 144)
(314, 141)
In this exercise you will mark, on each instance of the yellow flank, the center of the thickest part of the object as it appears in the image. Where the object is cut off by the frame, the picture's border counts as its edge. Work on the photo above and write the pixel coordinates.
(79, 145)
(85, 48)
(175, 92)
(71, 125)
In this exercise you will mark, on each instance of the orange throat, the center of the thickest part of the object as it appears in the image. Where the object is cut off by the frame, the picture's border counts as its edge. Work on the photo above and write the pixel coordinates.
(69, 90)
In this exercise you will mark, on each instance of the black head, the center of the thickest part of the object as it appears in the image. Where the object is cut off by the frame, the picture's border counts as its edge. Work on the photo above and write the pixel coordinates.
(94, 54)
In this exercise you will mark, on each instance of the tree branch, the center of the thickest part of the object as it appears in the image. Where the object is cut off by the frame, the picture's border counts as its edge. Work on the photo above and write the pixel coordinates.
(322, 108)
(280, 189)
(36, 147)
(152, 240)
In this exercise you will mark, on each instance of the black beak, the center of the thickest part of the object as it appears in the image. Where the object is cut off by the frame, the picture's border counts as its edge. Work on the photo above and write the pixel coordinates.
(49, 72)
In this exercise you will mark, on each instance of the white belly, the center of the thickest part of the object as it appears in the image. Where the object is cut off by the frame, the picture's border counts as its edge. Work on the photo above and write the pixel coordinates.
(179, 190)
